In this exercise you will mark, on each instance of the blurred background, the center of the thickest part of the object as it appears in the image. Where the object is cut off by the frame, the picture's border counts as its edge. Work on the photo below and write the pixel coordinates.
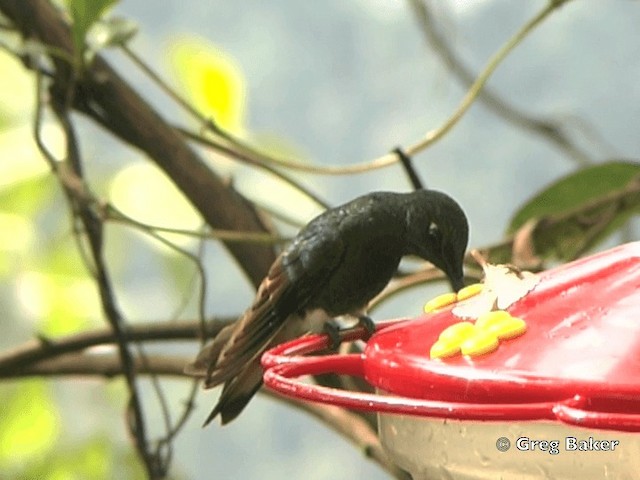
(331, 84)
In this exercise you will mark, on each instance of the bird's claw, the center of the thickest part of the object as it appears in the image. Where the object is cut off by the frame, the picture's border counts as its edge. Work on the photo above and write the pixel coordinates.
(334, 332)
(332, 329)
(368, 325)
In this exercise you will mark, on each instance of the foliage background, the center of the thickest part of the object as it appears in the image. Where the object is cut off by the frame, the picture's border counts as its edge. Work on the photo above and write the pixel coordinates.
(334, 83)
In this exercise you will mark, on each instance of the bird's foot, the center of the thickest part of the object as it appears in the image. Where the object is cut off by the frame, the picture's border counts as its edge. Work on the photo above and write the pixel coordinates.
(368, 325)
(332, 329)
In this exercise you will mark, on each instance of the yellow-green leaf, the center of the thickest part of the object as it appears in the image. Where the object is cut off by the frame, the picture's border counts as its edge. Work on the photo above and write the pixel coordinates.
(146, 194)
(212, 81)
(29, 426)
(94, 459)
(16, 91)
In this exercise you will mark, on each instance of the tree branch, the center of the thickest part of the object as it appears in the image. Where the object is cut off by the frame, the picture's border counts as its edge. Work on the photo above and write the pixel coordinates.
(42, 348)
(105, 364)
(104, 96)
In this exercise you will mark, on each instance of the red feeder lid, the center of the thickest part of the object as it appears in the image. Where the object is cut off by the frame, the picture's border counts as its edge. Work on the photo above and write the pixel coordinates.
(578, 362)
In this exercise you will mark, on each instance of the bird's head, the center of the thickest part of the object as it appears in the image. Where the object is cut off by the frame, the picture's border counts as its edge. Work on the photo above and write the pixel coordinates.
(437, 230)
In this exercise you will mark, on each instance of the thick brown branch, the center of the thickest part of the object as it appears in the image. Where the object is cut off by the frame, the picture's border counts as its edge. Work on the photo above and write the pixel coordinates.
(106, 364)
(103, 95)
(43, 348)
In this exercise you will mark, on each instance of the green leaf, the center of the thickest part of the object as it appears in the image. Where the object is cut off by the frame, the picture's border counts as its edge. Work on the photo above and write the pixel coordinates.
(27, 197)
(578, 212)
(93, 459)
(22, 199)
(30, 425)
(576, 189)
(84, 13)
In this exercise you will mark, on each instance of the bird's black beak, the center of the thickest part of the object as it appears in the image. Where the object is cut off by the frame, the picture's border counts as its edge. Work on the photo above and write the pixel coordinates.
(456, 282)
(456, 278)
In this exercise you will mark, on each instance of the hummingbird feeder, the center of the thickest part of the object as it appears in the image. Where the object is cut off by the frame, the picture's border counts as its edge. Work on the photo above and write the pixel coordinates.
(561, 400)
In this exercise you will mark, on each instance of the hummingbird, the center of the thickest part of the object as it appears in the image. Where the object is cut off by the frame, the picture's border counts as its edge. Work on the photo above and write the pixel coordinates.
(333, 267)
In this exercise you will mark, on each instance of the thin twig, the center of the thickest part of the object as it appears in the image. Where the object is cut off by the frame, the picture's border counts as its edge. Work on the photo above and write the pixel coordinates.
(436, 134)
(352, 427)
(93, 228)
(158, 80)
(408, 168)
(82, 208)
(115, 215)
(84, 205)
(551, 130)
(235, 148)
(171, 430)
(479, 83)
(254, 158)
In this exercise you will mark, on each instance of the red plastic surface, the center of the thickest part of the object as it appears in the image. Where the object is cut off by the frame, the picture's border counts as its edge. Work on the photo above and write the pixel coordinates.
(579, 361)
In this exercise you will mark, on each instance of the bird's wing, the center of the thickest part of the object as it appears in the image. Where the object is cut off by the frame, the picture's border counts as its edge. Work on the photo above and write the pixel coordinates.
(293, 279)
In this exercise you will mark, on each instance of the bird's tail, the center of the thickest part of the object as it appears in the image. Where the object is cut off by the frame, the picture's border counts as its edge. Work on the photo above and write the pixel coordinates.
(241, 380)
(237, 393)
(233, 358)
(209, 354)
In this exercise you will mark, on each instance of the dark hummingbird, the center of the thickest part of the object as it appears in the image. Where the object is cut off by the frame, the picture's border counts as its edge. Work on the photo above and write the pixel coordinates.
(334, 266)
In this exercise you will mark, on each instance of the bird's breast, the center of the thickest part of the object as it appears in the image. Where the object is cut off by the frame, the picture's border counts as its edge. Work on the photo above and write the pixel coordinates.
(360, 277)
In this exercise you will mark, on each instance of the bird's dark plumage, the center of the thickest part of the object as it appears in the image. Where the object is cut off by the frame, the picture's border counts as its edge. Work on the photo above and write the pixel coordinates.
(334, 266)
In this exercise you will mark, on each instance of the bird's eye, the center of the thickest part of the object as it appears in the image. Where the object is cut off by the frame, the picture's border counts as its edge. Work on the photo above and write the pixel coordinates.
(434, 230)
